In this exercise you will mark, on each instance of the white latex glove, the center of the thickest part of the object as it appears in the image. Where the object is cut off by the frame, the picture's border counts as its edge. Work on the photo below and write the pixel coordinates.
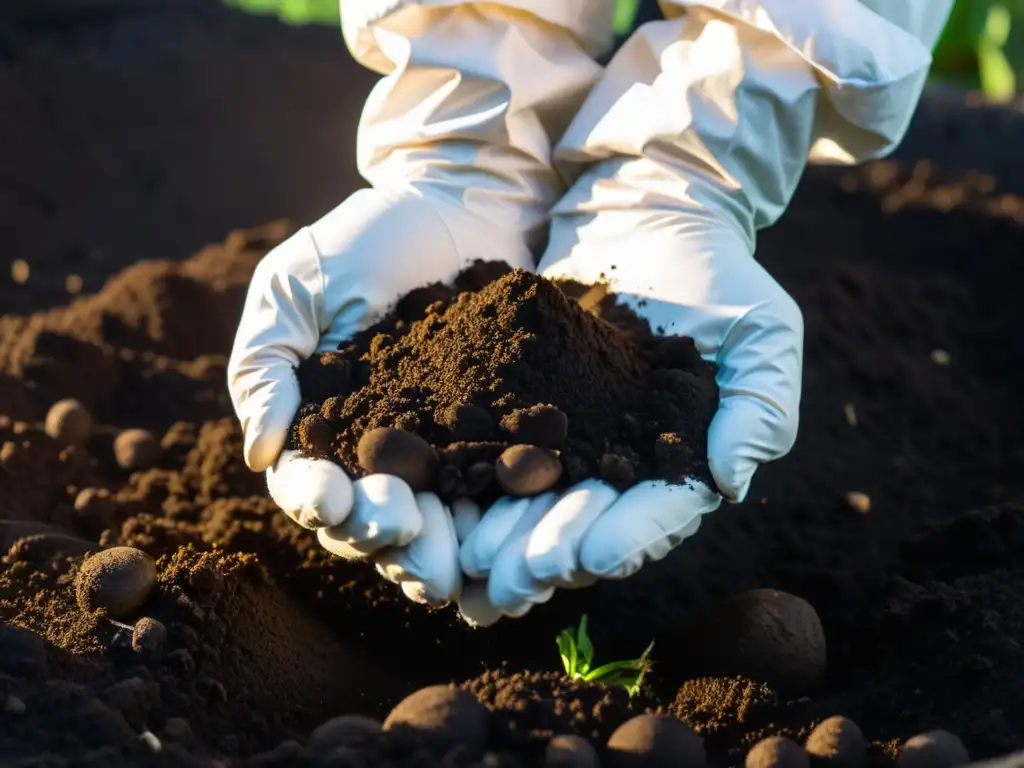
(696, 137)
(455, 140)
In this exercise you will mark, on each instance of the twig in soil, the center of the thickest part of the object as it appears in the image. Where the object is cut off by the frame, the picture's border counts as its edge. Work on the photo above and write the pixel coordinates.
(578, 657)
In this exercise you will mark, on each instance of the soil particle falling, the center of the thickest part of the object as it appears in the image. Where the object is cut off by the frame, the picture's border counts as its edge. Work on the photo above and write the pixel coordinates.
(528, 355)
(117, 581)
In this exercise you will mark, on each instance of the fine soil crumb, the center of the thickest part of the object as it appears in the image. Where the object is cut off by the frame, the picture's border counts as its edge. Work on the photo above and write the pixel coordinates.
(516, 363)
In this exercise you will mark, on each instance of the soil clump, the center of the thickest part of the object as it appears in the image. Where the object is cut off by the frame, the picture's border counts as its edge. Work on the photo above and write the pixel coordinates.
(513, 363)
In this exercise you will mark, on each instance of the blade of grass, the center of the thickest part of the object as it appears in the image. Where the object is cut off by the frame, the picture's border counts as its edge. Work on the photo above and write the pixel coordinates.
(586, 648)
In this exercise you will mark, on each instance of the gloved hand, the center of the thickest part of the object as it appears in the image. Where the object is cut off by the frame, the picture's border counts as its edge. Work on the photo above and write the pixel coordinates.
(309, 294)
(695, 138)
(690, 277)
(455, 141)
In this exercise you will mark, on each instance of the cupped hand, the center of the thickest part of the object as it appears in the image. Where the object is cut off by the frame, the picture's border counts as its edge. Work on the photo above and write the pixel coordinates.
(687, 276)
(309, 294)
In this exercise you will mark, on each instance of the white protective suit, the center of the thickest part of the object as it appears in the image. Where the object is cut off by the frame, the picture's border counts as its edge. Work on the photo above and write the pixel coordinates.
(492, 121)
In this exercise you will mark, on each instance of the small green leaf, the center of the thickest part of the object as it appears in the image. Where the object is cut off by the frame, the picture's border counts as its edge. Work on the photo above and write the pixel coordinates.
(567, 649)
(586, 647)
(599, 674)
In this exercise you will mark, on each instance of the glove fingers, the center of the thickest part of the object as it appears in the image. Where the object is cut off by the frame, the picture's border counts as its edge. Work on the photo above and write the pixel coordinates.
(485, 540)
(645, 524)
(511, 587)
(474, 606)
(465, 516)
(552, 549)
(384, 514)
(428, 567)
(279, 327)
(315, 493)
(759, 382)
(745, 432)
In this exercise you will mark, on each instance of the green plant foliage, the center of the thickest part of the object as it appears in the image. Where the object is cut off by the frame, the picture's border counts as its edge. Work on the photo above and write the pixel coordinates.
(292, 11)
(578, 660)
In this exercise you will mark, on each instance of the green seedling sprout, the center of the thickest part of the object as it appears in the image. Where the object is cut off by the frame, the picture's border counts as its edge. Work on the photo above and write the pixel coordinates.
(578, 659)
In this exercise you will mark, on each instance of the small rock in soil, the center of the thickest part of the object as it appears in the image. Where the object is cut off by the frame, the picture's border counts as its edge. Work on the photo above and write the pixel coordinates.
(396, 452)
(570, 751)
(777, 752)
(117, 580)
(765, 635)
(527, 470)
(22, 652)
(468, 423)
(69, 422)
(652, 741)
(935, 749)
(837, 741)
(136, 449)
(343, 731)
(444, 717)
(543, 425)
(149, 635)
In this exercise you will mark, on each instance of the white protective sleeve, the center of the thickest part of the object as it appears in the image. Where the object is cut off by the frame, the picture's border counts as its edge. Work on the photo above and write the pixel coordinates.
(730, 99)
(474, 96)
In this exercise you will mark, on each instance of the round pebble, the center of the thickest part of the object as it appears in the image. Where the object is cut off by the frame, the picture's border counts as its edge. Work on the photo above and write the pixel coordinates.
(935, 749)
(444, 717)
(136, 449)
(653, 741)
(343, 731)
(543, 425)
(777, 752)
(149, 635)
(526, 470)
(399, 453)
(764, 635)
(837, 741)
(568, 751)
(69, 423)
(118, 580)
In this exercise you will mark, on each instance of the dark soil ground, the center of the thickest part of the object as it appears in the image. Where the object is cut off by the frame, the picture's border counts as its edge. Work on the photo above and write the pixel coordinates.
(147, 135)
